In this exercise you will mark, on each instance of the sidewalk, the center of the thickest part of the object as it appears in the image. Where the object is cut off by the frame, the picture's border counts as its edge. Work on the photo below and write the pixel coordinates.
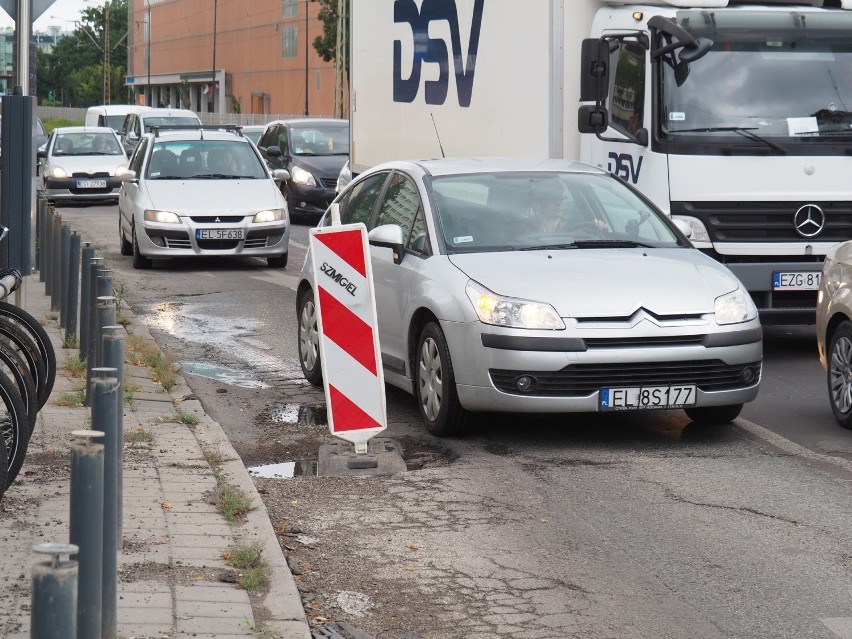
(172, 579)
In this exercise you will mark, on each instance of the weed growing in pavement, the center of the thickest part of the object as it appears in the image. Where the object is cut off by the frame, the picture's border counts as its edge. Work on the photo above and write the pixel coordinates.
(52, 316)
(73, 400)
(130, 390)
(139, 436)
(187, 418)
(75, 366)
(124, 321)
(264, 630)
(248, 559)
(144, 352)
(232, 502)
(69, 340)
(119, 293)
(214, 458)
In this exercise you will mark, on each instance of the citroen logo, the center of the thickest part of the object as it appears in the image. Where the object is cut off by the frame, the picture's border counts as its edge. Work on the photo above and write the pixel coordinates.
(809, 220)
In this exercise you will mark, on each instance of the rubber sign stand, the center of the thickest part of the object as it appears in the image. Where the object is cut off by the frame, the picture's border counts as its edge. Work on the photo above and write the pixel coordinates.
(348, 333)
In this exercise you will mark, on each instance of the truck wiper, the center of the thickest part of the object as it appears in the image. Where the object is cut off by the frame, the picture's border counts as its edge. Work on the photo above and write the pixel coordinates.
(746, 132)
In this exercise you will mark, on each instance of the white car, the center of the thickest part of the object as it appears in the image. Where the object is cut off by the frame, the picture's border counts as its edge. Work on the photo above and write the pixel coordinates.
(202, 192)
(81, 164)
(484, 304)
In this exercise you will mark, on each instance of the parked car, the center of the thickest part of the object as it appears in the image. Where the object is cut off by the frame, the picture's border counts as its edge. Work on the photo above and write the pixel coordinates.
(201, 193)
(111, 115)
(313, 151)
(139, 123)
(476, 313)
(81, 164)
(253, 131)
(834, 328)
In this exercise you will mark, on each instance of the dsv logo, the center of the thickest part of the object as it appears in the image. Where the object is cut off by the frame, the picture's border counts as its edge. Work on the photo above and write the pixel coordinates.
(434, 51)
(622, 165)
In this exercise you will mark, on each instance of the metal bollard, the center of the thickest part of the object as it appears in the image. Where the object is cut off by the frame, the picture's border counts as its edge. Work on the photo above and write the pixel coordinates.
(105, 317)
(104, 419)
(42, 221)
(54, 594)
(47, 245)
(73, 285)
(85, 285)
(91, 335)
(56, 275)
(87, 528)
(113, 351)
(64, 256)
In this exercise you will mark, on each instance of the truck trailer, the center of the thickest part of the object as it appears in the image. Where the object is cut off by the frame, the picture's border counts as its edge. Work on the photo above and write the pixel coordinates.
(733, 116)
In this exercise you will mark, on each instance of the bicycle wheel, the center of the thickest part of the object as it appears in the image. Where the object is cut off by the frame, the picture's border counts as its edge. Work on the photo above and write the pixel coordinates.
(4, 469)
(13, 427)
(17, 370)
(39, 336)
(28, 349)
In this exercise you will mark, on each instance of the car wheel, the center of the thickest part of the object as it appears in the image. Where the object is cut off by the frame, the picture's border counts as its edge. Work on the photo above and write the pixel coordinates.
(437, 398)
(840, 374)
(713, 415)
(309, 354)
(139, 260)
(279, 261)
(125, 246)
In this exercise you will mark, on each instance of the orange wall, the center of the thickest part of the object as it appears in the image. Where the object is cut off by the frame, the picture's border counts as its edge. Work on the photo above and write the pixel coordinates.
(248, 48)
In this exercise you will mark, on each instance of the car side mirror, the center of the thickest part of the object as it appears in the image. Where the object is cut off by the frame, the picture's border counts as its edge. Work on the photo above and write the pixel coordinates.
(274, 151)
(42, 153)
(131, 136)
(280, 175)
(128, 176)
(388, 236)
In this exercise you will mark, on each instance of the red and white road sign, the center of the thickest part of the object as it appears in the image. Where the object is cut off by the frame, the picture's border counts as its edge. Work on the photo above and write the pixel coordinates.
(348, 333)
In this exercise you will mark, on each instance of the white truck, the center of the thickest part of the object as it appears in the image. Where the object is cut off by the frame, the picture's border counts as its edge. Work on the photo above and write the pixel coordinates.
(733, 116)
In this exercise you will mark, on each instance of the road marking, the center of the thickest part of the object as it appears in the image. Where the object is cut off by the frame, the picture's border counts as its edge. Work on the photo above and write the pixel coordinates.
(297, 245)
(791, 447)
(841, 626)
(271, 277)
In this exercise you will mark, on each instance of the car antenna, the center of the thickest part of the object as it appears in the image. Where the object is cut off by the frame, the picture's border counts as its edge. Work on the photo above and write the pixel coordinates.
(437, 135)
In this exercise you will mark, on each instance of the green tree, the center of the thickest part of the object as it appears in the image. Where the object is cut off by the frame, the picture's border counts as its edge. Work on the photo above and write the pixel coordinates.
(326, 44)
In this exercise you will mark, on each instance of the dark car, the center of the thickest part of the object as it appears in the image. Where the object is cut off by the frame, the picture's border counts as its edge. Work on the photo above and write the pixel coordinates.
(313, 150)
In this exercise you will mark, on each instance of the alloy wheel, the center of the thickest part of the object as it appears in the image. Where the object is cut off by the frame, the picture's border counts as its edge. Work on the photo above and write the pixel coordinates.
(840, 375)
(430, 379)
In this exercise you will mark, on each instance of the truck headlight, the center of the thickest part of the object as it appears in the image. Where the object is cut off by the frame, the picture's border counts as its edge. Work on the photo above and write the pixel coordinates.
(699, 231)
(735, 307)
(162, 217)
(511, 312)
(57, 172)
(272, 215)
(300, 176)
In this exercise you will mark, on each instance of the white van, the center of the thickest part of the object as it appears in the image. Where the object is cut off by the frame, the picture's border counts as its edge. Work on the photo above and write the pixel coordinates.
(111, 115)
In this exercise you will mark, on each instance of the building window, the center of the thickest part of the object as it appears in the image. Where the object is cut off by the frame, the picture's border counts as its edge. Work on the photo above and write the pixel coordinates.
(317, 77)
(289, 42)
(289, 8)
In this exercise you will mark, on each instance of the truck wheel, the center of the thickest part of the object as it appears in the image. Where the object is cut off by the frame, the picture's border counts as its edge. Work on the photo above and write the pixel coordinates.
(840, 374)
(713, 415)
(309, 355)
(435, 382)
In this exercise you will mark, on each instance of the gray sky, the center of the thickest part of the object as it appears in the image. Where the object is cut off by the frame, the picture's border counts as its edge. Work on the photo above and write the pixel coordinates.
(57, 14)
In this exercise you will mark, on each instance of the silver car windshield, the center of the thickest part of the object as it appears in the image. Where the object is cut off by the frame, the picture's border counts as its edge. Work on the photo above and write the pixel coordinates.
(204, 160)
(766, 77)
(528, 211)
(67, 144)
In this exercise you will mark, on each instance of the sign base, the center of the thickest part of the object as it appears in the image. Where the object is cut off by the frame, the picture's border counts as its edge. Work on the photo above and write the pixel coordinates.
(383, 457)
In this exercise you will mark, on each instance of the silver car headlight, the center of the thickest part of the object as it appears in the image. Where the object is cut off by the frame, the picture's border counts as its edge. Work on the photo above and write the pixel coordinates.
(511, 312)
(272, 215)
(300, 176)
(699, 231)
(56, 172)
(735, 307)
(161, 217)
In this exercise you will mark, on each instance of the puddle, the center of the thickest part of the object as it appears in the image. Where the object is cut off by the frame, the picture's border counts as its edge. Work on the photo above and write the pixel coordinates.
(285, 470)
(285, 413)
(241, 379)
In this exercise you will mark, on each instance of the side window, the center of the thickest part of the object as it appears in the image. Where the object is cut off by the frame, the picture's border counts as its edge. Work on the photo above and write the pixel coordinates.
(266, 140)
(125, 127)
(627, 94)
(362, 199)
(402, 206)
(282, 141)
(136, 127)
(138, 155)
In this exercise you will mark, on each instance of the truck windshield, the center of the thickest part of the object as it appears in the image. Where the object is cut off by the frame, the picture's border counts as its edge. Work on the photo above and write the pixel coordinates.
(775, 78)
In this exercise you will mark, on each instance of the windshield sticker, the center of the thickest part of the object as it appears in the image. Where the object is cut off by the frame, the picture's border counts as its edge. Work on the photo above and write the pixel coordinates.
(677, 116)
(802, 126)
(463, 239)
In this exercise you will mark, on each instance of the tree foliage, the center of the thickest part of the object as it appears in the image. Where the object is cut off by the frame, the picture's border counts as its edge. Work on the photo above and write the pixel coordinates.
(73, 70)
(326, 44)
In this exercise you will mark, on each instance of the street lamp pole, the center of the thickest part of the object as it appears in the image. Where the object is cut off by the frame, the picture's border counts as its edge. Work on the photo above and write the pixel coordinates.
(213, 84)
(306, 57)
(150, 91)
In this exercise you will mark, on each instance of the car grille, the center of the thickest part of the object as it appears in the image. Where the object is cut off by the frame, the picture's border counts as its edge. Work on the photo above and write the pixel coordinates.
(83, 174)
(329, 183)
(221, 219)
(633, 342)
(581, 380)
(177, 243)
(218, 245)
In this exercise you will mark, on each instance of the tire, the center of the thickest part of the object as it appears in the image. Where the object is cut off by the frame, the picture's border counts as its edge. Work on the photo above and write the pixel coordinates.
(435, 385)
(4, 467)
(839, 374)
(11, 313)
(139, 260)
(13, 427)
(16, 368)
(279, 261)
(713, 415)
(26, 347)
(125, 247)
(309, 354)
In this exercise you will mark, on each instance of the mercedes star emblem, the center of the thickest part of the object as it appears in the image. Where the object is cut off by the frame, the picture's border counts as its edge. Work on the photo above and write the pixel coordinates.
(809, 220)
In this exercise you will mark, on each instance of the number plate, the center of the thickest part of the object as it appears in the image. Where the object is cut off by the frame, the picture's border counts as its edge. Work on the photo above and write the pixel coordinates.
(638, 397)
(91, 184)
(795, 280)
(220, 234)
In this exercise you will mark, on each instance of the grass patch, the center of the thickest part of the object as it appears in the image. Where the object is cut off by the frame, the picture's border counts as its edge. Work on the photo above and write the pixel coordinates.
(55, 123)
(73, 400)
(214, 458)
(144, 352)
(248, 559)
(139, 436)
(124, 321)
(187, 418)
(232, 502)
(75, 366)
(69, 340)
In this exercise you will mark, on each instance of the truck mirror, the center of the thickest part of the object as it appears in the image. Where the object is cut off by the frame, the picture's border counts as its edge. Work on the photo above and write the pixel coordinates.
(594, 70)
(695, 51)
(592, 119)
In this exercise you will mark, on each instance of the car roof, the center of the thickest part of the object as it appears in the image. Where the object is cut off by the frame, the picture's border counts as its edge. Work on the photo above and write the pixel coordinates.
(311, 122)
(117, 109)
(84, 129)
(455, 166)
(195, 134)
(165, 111)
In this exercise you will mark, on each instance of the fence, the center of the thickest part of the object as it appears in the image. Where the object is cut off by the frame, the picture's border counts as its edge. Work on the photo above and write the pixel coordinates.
(79, 115)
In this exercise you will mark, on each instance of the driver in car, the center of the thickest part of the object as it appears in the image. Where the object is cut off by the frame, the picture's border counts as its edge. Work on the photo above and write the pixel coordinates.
(550, 212)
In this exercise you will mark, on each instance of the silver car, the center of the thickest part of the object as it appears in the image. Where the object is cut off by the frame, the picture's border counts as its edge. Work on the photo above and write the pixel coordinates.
(834, 329)
(81, 164)
(202, 193)
(483, 307)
